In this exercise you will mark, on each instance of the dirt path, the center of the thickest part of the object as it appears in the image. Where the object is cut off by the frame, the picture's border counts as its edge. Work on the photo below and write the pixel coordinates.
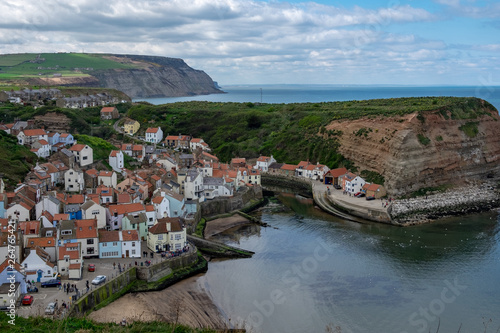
(185, 302)
(219, 225)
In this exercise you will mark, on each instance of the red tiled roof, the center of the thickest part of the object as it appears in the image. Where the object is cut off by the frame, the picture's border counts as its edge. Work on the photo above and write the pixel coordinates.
(73, 254)
(196, 140)
(92, 172)
(75, 266)
(75, 199)
(105, 173)
(263, 159)
(41, 241)
(61, 217)
(126, 208)
(337, 172)
(106, 236)
(34, 132)
(77, 147)
(303, 164)
(130, 235)
(43, 142)
(238, 160)
(152, 130)
(124, 198)
(6, 264)
(288, 167)
(88, 228)
(150, 208)
(108, 109)
(64, 135)
(113, 153)
(157, 200)
(29, 227)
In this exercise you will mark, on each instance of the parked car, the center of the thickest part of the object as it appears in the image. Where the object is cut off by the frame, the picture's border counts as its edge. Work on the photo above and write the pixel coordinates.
(91, 268)
(337, 186)
(51, 283)
(99, 279)
(27, 300)
(370, 198)
(51, 308)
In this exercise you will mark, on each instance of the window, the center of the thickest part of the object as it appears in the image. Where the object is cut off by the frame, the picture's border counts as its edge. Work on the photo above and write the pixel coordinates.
(133, 243)
(178, 236)
(90, 250)
(160, 237)
(115, 243)
(133, 251)
(90, 241)
(85, 157)
(95, 212)
(104, 244)
(66, 232)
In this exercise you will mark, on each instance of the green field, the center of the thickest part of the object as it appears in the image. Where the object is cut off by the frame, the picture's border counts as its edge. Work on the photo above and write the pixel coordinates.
(15, 59)
(17, 65)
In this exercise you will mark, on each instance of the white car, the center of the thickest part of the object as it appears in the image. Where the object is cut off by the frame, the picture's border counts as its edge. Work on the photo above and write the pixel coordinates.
(99, 279)
(51, 308)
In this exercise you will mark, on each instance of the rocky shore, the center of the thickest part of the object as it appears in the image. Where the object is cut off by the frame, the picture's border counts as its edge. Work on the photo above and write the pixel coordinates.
(465, 200)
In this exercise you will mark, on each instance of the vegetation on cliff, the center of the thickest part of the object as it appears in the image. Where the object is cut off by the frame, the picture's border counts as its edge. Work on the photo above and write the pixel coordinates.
(291, 132)
(16, 160)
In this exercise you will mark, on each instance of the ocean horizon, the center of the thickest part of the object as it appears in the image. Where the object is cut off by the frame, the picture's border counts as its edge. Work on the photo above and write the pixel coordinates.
(317, 93)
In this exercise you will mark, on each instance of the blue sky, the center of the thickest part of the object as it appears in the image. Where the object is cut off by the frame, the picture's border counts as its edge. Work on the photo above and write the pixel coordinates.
(416, 42)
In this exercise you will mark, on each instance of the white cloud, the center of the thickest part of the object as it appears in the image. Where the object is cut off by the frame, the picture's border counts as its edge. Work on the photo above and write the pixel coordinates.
(235, 41)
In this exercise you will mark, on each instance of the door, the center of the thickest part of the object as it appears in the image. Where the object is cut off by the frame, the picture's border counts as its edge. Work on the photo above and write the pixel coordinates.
(126, 253)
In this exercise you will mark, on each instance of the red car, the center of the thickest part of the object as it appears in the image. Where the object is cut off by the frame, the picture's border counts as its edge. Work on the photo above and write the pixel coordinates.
(27, 300)
(91, 268)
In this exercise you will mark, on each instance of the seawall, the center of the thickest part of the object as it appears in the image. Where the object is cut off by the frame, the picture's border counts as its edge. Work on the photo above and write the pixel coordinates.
(143, 278)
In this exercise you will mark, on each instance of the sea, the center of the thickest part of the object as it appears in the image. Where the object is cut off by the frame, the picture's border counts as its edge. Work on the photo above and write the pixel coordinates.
(313, 272)
(292, 93)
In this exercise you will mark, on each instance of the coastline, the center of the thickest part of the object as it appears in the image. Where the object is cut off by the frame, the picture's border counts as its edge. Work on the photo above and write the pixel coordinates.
(187, 302)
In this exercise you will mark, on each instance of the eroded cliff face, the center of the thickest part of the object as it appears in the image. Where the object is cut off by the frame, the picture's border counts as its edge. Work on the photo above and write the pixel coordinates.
(423, 150)
(158, 77)
(150, 77)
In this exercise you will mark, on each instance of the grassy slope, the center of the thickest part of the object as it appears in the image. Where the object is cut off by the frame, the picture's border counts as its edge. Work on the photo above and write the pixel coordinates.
(70, 325)
(17, 65)
(15, 160)
(291, 132)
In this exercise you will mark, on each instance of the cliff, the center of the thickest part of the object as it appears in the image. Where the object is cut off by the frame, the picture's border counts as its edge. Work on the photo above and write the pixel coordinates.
(159, 77)
(135, 75)
(457, 145)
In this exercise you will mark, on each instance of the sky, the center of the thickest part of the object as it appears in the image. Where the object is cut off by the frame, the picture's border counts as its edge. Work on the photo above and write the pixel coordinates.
(414, 42)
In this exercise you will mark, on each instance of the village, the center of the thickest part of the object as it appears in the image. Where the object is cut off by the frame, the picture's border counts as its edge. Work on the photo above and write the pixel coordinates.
(72, 210)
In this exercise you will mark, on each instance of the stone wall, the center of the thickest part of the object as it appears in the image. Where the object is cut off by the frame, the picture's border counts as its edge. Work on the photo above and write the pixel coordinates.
(299, 184)
(154, 272)
(225, 205)
(111, 289)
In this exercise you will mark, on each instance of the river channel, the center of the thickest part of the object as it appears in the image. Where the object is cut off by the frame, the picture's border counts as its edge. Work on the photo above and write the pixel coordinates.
(313, 272)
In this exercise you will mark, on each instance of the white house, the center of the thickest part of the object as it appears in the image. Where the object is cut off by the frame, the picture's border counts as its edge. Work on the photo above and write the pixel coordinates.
(131, 245)
(162, 206)
(167, 162)
(43, 148)
(315, 171)
(198, 143)
(154, 134)
(353, 184)
(38, 267)
(92, 210)
(116, 160)
(70, 260)
(167, 234)
(19, 212)
(30, 136)
(86, 234)
(263, 163)
(193, 186)
(48, 203)
(214, 187)
(83, 153)
(73, 180)
(107, 178)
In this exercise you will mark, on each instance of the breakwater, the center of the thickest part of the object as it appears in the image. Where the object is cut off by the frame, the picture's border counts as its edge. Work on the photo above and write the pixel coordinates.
(462, 201)
(300, 185)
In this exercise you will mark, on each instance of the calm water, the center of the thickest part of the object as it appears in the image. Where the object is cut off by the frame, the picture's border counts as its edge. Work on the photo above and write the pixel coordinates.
(330, 93)
(312, 270)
